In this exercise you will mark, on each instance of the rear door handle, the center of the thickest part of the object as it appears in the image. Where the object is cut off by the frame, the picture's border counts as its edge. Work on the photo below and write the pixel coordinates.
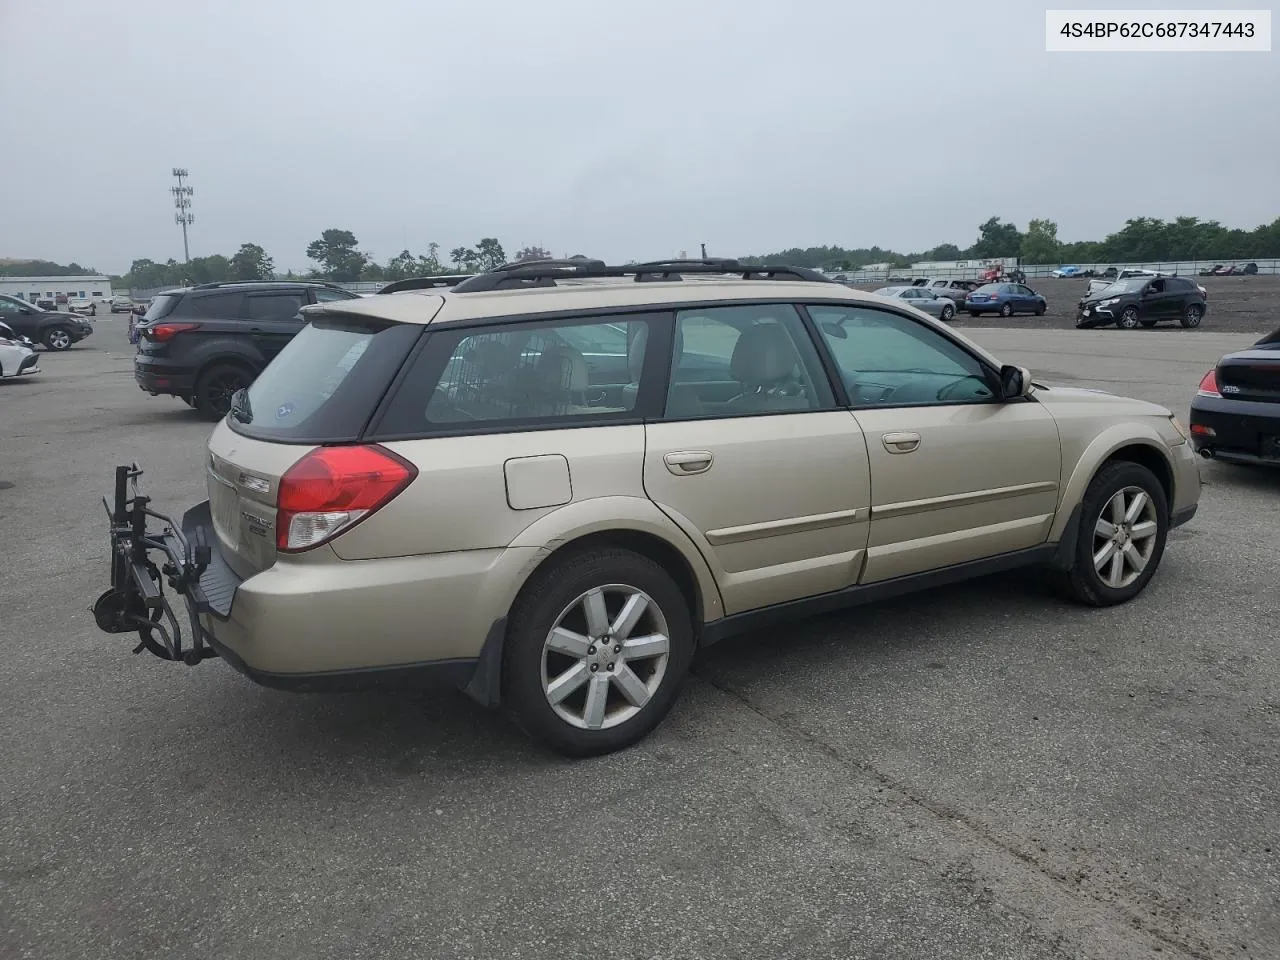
(685, 462)
(901, 442)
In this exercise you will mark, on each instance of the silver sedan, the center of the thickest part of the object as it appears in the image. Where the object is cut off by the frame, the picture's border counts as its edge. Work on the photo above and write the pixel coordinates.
(944, 308)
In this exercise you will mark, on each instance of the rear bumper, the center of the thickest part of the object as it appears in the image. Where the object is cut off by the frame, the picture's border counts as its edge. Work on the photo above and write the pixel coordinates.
(313, 623)
(155, 375)
(1240, 431)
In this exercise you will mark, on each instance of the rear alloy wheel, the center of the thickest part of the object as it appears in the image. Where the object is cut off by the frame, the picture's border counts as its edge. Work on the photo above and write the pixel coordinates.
(57, 338)
(948, 314)
(1124, 521)
(1128, 319)
(1006, 310)
(597, 649)
(1191, 319)
(216, 387)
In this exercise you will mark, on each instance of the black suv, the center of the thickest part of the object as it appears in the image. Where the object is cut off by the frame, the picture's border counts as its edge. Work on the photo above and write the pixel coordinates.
(1143, 302)
(204, 343)
(53, 328)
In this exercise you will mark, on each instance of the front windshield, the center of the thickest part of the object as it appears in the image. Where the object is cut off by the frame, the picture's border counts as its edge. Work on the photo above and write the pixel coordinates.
(1132, 285)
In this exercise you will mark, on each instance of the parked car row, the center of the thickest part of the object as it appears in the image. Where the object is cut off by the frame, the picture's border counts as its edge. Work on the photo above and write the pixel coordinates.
(1245, 270)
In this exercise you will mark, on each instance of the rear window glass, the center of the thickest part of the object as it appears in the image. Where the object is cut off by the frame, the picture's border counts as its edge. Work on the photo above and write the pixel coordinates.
(521, 374)
(326, 383)
(161, 306)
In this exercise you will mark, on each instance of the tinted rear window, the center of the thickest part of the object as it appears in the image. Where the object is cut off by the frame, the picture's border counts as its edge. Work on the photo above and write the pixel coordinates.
(161, 306)
(326, 383)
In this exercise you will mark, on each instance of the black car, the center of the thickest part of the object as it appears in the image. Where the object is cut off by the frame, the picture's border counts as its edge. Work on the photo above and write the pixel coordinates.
(204, 343)
(1143, 302)
(1235, 415)
(54, 329)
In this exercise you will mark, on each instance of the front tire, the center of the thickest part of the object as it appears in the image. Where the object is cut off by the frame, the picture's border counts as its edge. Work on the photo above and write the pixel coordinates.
(1124, 523)
(216, 387)
(58, 338)
(948, 314)
(1191, 319)
(1128, 319)
(597, 648)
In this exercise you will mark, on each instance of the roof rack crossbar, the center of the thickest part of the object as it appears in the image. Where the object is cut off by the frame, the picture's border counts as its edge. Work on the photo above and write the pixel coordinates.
(545, 273)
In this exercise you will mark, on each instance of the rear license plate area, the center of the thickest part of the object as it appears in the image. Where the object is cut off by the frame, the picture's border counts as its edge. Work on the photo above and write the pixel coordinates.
(224, 505)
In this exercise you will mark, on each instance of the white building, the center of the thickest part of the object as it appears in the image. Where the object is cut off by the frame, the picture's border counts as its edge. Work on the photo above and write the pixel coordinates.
(33, 289)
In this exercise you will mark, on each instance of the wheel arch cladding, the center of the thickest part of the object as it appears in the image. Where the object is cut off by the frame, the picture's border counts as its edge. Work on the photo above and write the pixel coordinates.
(647, 545)
(1149, 457)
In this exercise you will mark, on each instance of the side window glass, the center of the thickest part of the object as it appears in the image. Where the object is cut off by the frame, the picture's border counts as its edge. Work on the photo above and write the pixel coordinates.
(213, 307)
(579, 370)
(327, 294)
(273, 306)
(744, 361)
(7, 306)
(890, 360)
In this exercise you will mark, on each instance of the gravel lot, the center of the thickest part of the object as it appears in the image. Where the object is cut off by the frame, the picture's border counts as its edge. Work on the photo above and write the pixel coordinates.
(1236, 305)
(982, 773)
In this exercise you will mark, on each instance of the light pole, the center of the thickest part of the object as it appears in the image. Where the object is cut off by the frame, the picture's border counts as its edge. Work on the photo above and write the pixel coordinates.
(182, 201)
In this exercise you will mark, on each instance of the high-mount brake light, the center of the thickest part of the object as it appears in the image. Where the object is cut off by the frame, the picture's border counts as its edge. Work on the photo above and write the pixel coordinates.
(333, 488)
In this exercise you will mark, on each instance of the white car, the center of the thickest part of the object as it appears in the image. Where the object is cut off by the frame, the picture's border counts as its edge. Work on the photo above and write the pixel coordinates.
(17, 354)
(85, 305)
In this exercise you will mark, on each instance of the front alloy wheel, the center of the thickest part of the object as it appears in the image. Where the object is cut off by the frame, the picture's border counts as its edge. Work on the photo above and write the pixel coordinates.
(1128, 319)
(1124, 537)
(1123, 525)
(948, 314)
(58, 339)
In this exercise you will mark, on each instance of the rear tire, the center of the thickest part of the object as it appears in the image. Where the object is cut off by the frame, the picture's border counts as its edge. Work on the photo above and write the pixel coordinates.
(1191, 319)
(215, 387)
(599, 714)
(1006, 310)
(1093, 578)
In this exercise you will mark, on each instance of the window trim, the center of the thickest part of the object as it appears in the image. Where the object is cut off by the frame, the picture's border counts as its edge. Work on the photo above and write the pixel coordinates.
(831, 402)
(648, 400)
(992, 374)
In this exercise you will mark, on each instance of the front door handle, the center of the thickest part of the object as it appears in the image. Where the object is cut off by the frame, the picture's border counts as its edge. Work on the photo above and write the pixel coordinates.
(901, 442)
(686, 462)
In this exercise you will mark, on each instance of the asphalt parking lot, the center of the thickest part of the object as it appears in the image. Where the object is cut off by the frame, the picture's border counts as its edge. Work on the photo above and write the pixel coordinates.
(981, 772)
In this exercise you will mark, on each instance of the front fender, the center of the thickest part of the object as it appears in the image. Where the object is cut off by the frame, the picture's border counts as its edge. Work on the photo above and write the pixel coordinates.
(1103, 446)
(606, 514)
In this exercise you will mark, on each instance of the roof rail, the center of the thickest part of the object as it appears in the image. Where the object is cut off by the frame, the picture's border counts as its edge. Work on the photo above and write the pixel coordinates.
(544, 273)
(236, 283)
(425, 283)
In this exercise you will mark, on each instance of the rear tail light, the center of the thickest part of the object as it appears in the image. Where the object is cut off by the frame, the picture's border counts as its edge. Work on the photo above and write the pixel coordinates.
(332, 489)
(1209, 385)
(167, 331)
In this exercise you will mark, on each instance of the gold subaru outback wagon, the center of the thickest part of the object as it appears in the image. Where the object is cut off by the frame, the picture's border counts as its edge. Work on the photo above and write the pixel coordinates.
(550, 484)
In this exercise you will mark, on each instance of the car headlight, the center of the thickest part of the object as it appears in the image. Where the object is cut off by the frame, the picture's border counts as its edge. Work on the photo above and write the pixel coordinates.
(1108, 303)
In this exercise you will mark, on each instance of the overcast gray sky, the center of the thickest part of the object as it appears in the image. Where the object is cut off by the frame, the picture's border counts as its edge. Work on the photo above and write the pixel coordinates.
(614, 129)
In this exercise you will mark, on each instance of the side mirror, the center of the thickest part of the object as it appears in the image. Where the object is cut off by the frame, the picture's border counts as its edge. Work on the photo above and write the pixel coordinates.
(1015, 382)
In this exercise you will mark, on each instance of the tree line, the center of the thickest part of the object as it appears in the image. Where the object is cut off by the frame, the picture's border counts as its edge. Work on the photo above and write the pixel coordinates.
(1143, 239)
(337, 255)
